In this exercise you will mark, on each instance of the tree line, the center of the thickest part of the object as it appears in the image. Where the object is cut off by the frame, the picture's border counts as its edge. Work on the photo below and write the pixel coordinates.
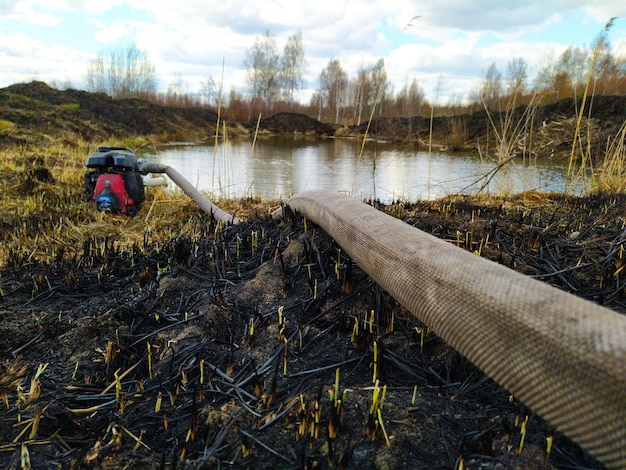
(274, 77)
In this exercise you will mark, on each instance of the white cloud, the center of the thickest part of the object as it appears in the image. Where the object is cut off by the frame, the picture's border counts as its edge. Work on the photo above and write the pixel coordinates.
(107, 33)
(48, 12)
(607, 9)
(446, 45)
(24, 59)
(96, 6)
(24, 12)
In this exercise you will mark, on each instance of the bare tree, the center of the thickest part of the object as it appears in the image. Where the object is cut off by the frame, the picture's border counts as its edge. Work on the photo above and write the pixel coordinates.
(410, 99)
(491, 89)
(380, 85)
(176, 84)
(517, 76)
(362, 91)
(568, 74)
(369, 89)
(262, 63)
(573, 66)
(292, 64)
(564, 74)
(543, 79)
(333, 84)
(176, 91)
(208, 91)
(607, 71)
(122, 73)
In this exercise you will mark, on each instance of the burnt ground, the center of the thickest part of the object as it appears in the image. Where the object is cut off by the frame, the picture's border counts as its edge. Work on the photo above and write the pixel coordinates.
(222, 347)
(293, 123)
(171, 353)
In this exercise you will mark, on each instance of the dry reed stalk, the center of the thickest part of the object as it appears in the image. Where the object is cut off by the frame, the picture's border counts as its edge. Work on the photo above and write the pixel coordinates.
(612, 172)
(509, 134)
(572, 172)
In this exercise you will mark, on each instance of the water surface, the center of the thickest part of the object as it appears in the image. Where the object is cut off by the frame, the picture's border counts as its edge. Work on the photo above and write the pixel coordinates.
(277, 167)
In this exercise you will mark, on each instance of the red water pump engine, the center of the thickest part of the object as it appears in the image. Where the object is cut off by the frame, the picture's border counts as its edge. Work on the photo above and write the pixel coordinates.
(114, 182)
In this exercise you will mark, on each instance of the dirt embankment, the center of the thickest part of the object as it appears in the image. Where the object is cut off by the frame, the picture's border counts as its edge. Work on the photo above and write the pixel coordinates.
(35, 113)
(541, 131)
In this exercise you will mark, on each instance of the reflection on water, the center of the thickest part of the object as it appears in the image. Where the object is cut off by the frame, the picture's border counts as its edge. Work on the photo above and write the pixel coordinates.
(278, 167)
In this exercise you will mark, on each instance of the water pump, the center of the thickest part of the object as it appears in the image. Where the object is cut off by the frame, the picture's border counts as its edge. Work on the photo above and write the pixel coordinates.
(114, 182)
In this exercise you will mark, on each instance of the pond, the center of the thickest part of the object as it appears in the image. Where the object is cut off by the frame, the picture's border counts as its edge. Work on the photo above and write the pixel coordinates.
(278, 167)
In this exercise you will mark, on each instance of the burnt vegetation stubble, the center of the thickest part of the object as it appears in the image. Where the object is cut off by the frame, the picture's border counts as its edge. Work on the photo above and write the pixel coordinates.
(172, 353)
(221, 346)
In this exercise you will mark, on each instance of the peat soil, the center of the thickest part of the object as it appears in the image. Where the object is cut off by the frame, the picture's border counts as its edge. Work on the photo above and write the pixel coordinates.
(39, 115)
(261, 345)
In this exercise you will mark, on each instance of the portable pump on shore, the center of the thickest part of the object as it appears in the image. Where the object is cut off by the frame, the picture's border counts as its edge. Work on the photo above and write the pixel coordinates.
(114, 182)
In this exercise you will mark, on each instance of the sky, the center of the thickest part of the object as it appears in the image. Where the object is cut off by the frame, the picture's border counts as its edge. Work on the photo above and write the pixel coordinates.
(446, 45)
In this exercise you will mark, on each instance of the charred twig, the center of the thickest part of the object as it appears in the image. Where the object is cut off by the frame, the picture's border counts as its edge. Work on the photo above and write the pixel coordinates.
(343, 300)
(217, 442)
(167, 327)
(25, 345)
(266, 447)
(323, 368)
(293, 402)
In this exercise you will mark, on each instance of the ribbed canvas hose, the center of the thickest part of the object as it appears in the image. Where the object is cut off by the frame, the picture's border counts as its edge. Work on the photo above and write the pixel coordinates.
(562, 356)
(189, 189)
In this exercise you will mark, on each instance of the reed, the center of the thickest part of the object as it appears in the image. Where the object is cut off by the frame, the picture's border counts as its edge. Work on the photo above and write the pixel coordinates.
(583, 170)
(611, 174)
(511, 129)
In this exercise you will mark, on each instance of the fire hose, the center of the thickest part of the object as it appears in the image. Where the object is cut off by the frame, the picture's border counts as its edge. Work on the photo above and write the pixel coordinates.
(189, 189)
(562, 356)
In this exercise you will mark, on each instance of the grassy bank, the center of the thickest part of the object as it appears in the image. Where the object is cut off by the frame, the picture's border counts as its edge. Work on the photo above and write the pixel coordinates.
(45, 214)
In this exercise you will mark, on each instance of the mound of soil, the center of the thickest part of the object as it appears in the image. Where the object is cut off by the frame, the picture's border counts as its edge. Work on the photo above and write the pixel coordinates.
(42, 114)
(262, 345)
(540, 131)
(36, 113)
(294, 123)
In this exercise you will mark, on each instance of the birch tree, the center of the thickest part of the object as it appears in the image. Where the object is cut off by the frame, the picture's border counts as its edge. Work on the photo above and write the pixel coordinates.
(262, 64)
(491, 89)
(122, 73)
(333, 84)
(292, 64)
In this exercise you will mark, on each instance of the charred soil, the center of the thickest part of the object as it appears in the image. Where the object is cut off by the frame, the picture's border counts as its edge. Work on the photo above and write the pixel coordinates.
(261, 345)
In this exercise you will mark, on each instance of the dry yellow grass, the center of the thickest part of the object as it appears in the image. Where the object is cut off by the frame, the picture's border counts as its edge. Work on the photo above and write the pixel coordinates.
(45, 213)
(612, 172)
